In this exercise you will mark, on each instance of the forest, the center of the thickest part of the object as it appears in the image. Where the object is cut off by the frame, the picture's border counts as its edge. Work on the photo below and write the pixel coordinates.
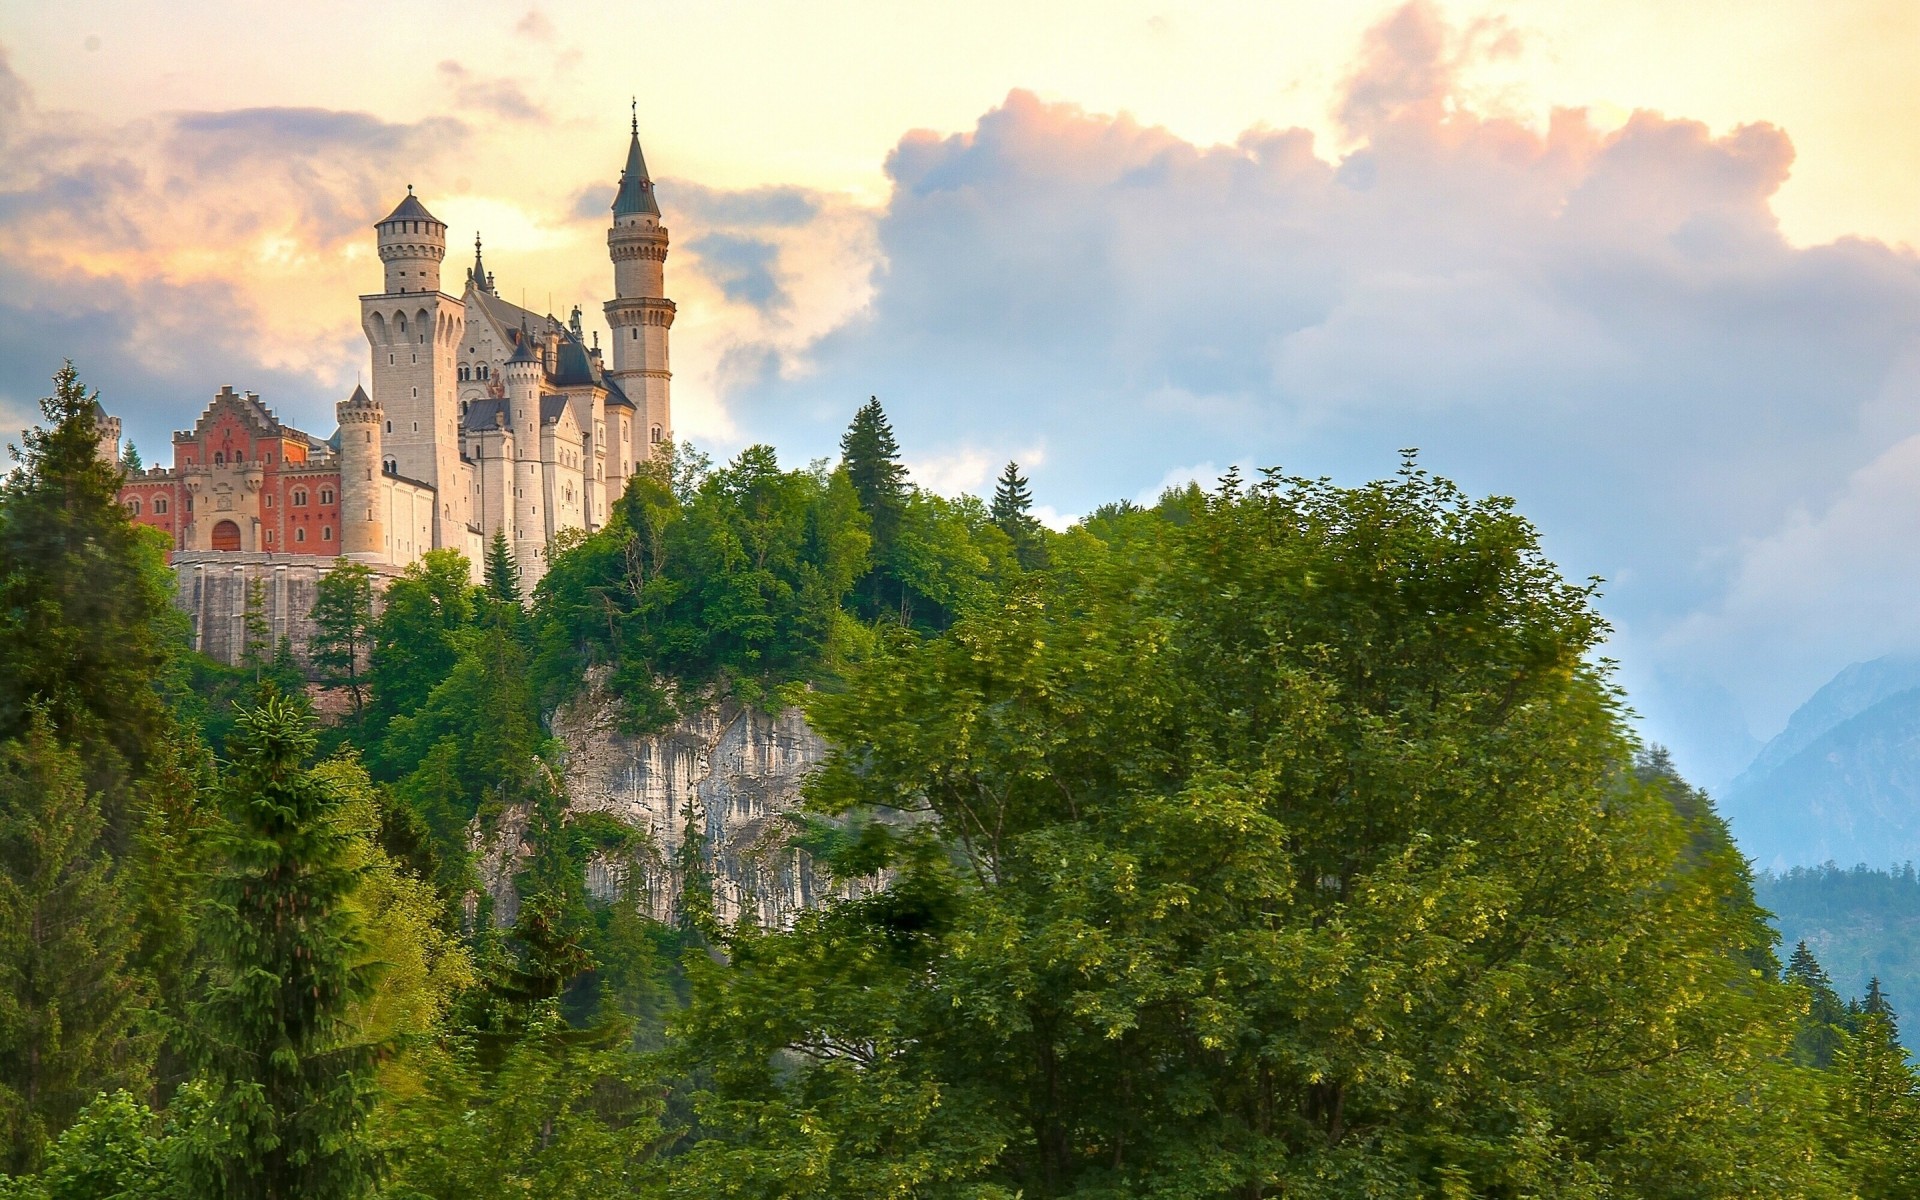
(1282, 839)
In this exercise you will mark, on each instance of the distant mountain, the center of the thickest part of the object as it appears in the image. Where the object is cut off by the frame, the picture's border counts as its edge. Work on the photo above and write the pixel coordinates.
(1853, 691)
(1842, 781)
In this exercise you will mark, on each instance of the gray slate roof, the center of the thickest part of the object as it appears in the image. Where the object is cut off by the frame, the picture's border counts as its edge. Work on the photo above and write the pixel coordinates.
(410, 209)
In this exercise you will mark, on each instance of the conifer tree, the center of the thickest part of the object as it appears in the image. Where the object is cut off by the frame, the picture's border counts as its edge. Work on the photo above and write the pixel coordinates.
(343, 624)
(1012, 512)
(130, 463)
(85, 610)
(287, 1087)
(66, 999)
(1824, 1026)
(502, 572)
(872, 460)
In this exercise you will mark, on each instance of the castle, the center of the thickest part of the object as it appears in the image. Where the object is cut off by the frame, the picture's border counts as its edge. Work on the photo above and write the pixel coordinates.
(484, 417)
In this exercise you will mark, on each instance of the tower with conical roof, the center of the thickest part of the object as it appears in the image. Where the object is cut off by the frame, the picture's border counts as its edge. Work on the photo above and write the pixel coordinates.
(414, 330)
(639, 315)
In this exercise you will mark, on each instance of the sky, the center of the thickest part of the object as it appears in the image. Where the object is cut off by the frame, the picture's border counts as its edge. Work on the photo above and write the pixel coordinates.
(1647, 268)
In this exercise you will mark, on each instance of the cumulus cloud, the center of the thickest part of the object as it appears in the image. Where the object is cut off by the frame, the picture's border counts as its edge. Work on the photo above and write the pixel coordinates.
(169, 256)
(1606, 324)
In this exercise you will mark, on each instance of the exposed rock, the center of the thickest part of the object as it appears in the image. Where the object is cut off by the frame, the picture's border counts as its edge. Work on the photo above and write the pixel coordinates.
(734, 770)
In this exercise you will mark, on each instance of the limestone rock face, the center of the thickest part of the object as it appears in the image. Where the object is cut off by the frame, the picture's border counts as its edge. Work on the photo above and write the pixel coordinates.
(729, 771)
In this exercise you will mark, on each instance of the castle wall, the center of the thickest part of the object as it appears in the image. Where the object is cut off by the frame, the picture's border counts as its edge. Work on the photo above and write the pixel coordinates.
(212, 590)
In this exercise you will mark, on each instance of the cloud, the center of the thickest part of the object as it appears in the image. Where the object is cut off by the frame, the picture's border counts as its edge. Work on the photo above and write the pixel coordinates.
(535, 25)
(743, 267)
(499, 97)
(1606, 324)
(171, 255)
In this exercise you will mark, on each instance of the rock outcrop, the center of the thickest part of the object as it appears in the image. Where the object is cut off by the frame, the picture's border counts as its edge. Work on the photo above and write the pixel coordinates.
(728, 772)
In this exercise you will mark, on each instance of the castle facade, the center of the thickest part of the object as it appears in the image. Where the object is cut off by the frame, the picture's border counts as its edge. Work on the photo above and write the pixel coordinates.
(483, 417)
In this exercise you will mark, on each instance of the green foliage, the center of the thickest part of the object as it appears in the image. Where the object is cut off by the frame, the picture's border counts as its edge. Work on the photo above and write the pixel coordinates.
(502, 572)
(1012, 513)
(1824, 1026)
(415, 639)
(116, 1150)
(1874, 1105)
(85, 614)
(871, 458)
(736, 580)
(343, 628)
(67, 998)
(1294, 851)
(288, 1083)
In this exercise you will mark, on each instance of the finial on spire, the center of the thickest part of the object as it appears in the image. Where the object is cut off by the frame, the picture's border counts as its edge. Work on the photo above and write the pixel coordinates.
(636, 116)
(409, 189)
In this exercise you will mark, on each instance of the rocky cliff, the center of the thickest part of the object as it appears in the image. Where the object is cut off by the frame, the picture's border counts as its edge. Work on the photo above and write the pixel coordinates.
(728, 772)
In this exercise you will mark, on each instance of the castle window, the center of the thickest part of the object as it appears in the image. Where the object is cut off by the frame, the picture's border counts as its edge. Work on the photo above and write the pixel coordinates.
(220, 457)
(159, 505)
(300, 535)
(389, 426)
(636, 333)
(133, 506)
(655, 434)
(299, 497)
(326, 495)
(269, 499)
(326, 533)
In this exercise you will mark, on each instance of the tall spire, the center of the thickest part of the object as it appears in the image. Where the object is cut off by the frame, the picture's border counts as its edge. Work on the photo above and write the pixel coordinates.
(636, 186)
(477, 275)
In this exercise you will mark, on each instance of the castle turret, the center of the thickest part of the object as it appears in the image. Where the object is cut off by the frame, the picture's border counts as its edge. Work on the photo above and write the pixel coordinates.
(412, 243)
(527, 529)
(363, 533)
(413, 331)
(640, 314)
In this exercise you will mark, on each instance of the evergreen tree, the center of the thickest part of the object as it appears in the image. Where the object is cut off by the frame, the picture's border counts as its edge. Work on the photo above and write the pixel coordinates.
(1825, 1023)
(872, 461)
(1012, 512)
(1877, 1005)
(287, 1086)
(1011, 500)
(1875, 1105)
(67, 1001)
(130, 463)
(86, 617)
(502, 572)
(343, 624)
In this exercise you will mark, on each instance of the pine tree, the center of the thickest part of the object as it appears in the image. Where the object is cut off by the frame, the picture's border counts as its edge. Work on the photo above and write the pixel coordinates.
(693, 910)
(67, 1001)
(1011, 500)
(502, 572)
(130, 463)
(1877, 1004)
(288, 1088)
(1012, 512)
(872, 461)
(85, 607)
(1824, 1026)
(343, 624)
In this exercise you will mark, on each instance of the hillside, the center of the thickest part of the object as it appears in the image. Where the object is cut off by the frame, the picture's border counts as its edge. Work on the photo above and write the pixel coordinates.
(1842, 781)
(1861, 923)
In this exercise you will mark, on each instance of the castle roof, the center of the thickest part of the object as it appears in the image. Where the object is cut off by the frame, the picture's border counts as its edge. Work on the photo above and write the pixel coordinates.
(523, 351)
(359, 396)
(551, 407)
(636, 187)
(481, 413)
(614, 394)
(410, 209)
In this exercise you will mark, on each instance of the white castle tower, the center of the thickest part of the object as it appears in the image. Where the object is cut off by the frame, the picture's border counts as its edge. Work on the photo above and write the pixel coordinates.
(640, 314)
(414, 330)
